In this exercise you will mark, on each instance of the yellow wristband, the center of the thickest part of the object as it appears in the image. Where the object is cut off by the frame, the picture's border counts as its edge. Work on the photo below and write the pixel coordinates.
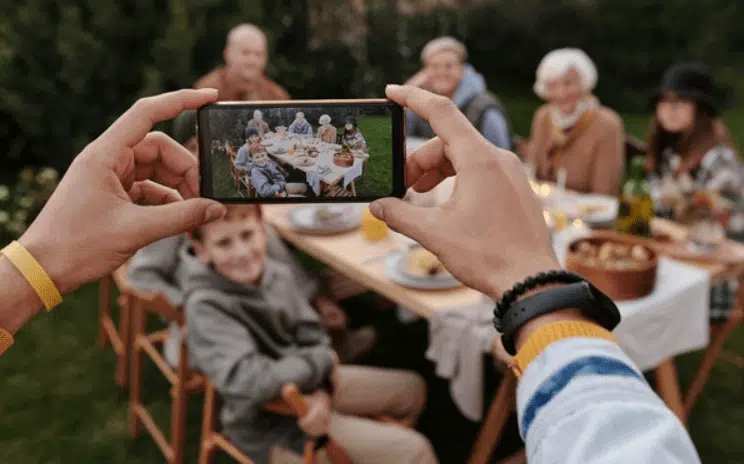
(34, 274)
(544, 336)
(6, 339)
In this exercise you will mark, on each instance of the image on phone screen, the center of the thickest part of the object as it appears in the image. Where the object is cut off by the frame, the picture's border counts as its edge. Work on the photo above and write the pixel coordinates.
(309, 151)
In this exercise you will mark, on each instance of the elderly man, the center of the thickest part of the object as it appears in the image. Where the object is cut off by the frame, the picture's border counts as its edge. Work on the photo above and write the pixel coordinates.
(259, 124)
(300, 126)
(242, 76)
(446, 72)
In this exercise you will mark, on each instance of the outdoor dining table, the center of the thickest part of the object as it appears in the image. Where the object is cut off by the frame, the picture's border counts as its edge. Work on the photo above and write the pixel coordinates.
(278, 148)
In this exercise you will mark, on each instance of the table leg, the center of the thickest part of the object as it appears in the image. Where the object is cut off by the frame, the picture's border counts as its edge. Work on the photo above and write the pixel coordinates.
(499, 412)
(668, 389)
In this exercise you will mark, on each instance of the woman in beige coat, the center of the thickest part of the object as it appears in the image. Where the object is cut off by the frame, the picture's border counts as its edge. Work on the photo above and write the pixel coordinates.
(573, 132)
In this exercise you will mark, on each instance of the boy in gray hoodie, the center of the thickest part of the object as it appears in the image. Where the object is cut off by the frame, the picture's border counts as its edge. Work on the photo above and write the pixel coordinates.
(251, 332)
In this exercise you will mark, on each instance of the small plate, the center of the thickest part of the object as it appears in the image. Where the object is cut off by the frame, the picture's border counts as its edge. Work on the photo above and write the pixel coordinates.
(304, 161)
(395, 270)
(601, 208)
(302, 218)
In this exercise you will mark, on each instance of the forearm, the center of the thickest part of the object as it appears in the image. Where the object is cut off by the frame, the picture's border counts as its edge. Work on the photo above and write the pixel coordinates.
(582, 399)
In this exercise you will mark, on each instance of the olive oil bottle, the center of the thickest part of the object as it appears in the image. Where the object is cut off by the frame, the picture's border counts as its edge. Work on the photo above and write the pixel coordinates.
(636, 206)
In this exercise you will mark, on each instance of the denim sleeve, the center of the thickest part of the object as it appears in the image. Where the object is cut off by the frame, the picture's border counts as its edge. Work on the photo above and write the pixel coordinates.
(583, 401)
(495, 129)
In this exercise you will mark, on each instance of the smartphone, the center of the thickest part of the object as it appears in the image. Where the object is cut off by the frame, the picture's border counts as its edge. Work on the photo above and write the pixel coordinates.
(301, 151)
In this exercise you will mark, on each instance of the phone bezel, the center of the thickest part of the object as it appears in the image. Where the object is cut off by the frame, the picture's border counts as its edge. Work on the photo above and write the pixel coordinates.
(205, 156)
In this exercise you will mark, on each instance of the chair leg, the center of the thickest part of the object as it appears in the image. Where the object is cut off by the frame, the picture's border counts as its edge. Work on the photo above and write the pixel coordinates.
(104, 308)
(122, 368)
(178, 408)
(718, 337)
(138, 328)
(209, 426)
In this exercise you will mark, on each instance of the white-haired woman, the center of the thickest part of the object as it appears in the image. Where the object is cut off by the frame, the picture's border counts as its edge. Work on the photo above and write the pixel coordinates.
(326, 132)
(573, 131)
(261, 126)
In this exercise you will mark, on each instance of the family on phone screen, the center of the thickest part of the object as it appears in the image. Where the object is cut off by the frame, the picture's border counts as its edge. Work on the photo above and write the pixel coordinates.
(266, 177)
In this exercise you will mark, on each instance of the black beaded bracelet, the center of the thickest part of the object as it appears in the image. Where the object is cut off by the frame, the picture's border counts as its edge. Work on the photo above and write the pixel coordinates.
(528, 284)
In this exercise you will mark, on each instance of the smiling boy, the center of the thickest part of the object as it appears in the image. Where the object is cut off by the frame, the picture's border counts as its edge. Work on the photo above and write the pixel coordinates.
(251, 332)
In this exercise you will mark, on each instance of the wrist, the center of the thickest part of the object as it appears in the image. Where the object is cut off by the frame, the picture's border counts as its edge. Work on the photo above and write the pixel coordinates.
(19, 302)
(58, 268)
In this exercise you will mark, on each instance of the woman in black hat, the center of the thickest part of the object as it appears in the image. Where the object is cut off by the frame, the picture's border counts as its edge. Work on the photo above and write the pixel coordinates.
(351, 135)
(687, 140)
(686, 129)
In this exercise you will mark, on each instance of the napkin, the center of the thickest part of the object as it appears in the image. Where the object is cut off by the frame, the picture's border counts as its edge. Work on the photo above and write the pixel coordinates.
(314, 177)
(458, 338)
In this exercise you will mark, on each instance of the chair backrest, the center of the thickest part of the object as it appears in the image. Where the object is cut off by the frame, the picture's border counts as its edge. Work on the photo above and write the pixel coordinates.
(634, 147)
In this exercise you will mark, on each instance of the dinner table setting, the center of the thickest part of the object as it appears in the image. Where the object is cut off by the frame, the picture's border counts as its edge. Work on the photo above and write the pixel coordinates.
(324, 163)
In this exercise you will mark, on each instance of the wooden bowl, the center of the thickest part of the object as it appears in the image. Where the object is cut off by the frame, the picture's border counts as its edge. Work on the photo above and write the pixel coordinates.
(344, 160)
(618, 284)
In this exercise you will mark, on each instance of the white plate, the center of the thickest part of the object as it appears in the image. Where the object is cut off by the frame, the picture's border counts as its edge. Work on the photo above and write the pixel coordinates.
(607, 214)
(302, 218)
(394, 268)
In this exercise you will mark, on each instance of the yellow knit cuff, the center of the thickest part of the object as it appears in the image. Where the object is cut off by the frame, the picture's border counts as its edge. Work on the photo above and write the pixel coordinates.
(34, 274)
(544, 336)
(6, 339)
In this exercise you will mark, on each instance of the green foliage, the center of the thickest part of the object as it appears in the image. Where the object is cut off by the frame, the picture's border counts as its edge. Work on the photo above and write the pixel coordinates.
(21, 203)
(69, 67)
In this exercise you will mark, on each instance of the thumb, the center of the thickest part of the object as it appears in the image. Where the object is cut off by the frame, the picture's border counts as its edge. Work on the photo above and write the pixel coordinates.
(403, 217)
(157, 222)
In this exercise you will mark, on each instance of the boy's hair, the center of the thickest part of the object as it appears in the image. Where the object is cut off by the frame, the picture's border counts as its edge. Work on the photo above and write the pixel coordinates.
(234, 213)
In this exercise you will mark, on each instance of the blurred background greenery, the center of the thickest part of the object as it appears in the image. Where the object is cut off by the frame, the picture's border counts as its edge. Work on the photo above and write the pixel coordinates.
(69, 67)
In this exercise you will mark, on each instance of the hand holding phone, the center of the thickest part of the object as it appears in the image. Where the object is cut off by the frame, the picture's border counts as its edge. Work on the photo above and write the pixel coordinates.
(301, 151)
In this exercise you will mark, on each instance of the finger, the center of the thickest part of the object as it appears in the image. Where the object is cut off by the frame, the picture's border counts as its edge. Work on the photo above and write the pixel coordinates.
(445, 119)
(430, 180)
(157, 222)
(150, 193)
(136, 122)
(404, 217)
(162, 159)
(429, 156)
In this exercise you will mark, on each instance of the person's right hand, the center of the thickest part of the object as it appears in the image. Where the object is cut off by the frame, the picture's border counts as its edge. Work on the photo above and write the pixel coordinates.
(420, 79)
(318, 418)
(491, 233)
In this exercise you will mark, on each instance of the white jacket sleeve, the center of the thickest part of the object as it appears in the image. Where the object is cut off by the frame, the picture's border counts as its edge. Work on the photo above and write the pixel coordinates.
(583, 401)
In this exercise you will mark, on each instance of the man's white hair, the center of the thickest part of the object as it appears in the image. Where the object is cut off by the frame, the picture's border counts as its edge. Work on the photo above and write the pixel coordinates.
(558, 62)
(257, 114)
(300, 114)
(324, 119)
(441, 44)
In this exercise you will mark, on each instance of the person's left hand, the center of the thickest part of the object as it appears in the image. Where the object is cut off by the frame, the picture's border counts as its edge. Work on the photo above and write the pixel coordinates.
(318, 418)
(92, 223)
(332, 314)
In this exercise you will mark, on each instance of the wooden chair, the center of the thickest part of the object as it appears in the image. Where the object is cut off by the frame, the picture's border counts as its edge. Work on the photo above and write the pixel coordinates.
(291, 404)
(119, 338)
(719, 333)
(182, 379)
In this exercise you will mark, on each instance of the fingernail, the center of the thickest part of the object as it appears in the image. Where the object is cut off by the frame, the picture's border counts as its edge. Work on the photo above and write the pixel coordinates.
(208, 91)
(376, 210)
(214, 212)
(391, 87)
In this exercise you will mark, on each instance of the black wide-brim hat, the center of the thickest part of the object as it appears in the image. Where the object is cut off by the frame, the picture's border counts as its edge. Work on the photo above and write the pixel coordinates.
(694, 81)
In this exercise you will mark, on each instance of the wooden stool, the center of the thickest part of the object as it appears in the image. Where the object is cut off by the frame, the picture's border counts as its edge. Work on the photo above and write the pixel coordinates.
(183, 380)
(119, 338)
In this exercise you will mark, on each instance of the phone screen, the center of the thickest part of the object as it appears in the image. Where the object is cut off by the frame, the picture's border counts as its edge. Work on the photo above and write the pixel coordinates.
(301, 151)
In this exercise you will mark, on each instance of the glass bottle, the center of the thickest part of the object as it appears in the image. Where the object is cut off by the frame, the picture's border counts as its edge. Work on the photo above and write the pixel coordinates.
(636, 206)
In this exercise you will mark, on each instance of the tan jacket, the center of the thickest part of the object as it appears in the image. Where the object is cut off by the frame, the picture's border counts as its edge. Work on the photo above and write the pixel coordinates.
(594, 158)
(265, 89)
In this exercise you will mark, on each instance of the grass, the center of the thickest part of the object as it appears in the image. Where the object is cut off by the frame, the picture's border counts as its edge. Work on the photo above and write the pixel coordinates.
(60, 405)
(377, 178)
